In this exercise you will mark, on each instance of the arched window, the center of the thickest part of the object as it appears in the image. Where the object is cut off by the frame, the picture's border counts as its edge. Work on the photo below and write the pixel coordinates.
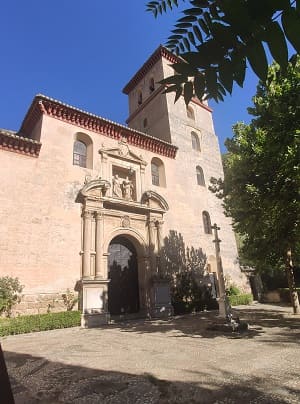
(151, 85)
(145, 123)
(79, 153)
(195, 141)
(200, 176)
(158, 172)
(140, 97)
(206, 222)
(190, 113)
(83, 151)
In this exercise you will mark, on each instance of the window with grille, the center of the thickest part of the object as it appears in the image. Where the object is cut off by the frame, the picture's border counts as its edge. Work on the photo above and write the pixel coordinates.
(206, 222)
(79, 153)
(200, 176)
(155, 174)
(195, 141)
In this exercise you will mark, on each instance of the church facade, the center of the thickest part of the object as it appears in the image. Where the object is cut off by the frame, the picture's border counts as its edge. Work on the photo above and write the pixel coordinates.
(87, 203)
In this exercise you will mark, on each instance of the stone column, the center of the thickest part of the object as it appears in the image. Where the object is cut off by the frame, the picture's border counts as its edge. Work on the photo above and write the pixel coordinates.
(99, 243)
(142, 179)
(158, 225)
(87, 233)
(152, 244)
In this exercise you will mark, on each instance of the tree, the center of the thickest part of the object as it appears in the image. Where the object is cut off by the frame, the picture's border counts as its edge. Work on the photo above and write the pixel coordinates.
(217, 39)
(261, 189)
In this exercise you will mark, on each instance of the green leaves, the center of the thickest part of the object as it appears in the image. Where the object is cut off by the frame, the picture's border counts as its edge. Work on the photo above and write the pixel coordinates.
(291, 23)
(257, 58)
(223, 35)
(262, 173)
(277, 44)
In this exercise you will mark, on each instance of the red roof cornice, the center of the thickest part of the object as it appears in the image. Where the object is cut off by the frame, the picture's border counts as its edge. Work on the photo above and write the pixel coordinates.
(160, 51)
(12, 142)
(66, 113)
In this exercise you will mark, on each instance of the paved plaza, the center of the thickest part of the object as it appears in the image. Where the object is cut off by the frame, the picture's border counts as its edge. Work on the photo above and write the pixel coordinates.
(172, 361)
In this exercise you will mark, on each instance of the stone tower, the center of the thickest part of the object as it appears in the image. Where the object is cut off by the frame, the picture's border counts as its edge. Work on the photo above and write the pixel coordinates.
(192, 206)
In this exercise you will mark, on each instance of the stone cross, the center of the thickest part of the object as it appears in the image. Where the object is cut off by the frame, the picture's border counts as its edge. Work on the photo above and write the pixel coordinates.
(224, 307)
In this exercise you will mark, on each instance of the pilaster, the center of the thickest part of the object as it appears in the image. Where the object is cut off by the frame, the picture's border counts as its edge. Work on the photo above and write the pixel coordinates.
(99, 245)
(87, 238)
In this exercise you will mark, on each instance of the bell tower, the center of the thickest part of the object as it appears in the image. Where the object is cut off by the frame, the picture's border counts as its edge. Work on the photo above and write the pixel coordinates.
(193, 208)
(155, 113)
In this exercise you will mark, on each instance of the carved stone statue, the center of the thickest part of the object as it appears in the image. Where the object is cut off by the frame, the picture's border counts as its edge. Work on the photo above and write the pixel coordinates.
(127, 189)
(117, 190)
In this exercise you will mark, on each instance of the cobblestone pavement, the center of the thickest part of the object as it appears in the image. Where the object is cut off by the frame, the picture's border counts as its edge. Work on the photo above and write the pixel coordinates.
(172, 361)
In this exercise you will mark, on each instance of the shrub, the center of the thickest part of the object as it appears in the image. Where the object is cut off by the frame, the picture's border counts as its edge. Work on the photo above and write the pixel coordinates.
(10, 290)
(39, 322)
(236, 300)
(189, 295)
(69, 299)
(233, 290)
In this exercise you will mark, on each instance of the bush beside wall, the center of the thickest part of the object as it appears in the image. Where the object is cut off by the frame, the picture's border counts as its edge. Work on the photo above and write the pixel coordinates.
(39, 322)
(237, 300)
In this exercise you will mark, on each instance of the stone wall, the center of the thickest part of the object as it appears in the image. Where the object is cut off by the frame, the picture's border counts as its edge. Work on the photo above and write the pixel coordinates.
(40, 304)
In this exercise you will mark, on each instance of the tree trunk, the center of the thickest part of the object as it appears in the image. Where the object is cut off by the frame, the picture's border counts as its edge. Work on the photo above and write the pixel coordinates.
(291, 282)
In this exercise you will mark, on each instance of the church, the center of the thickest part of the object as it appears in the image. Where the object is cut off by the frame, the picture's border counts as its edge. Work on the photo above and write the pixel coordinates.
(88, 204)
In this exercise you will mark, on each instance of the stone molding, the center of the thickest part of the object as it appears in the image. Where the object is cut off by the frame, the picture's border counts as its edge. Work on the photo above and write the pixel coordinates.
(12, 142)
(66, 113)
(160, 51)
(152, 195)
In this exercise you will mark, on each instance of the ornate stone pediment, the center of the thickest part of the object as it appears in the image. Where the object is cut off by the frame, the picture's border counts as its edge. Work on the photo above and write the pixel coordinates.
(123, 152)
(94, 189)
(154, 200)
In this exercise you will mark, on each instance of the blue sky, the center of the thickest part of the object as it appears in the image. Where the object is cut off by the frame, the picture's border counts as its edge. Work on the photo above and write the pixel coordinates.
(83, 52)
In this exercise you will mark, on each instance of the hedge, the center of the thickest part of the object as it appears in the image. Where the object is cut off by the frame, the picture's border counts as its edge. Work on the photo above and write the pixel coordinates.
(236, 300)
(39, 322)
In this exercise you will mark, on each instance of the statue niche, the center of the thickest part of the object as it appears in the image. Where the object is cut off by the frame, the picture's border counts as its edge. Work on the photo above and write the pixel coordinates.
(123, 183)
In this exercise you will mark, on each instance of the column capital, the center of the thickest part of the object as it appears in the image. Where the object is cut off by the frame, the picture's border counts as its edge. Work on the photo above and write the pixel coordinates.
(99, 215)
(87, 214)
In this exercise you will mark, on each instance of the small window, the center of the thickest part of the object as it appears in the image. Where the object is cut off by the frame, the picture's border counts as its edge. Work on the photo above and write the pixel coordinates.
(195, 141)
(190, 113)
(140, 97)
(200, 176)
(206, 223)
(79, 153)
(151, 85)
(145, 123)
(158, 172)
(155, 174)
(83, 150)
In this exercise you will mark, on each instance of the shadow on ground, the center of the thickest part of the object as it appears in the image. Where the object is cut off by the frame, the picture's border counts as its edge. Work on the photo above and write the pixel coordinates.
(197, 325)
(37, 380)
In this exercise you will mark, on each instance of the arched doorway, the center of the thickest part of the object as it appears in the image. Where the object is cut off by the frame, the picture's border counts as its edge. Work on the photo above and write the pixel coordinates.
(123, 288)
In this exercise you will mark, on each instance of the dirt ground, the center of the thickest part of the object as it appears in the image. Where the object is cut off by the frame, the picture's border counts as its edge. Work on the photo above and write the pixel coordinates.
(173, 361)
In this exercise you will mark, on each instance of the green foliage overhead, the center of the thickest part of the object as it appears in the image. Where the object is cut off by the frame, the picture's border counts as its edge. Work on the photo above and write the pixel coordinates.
(261, 190)
(218, 39)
